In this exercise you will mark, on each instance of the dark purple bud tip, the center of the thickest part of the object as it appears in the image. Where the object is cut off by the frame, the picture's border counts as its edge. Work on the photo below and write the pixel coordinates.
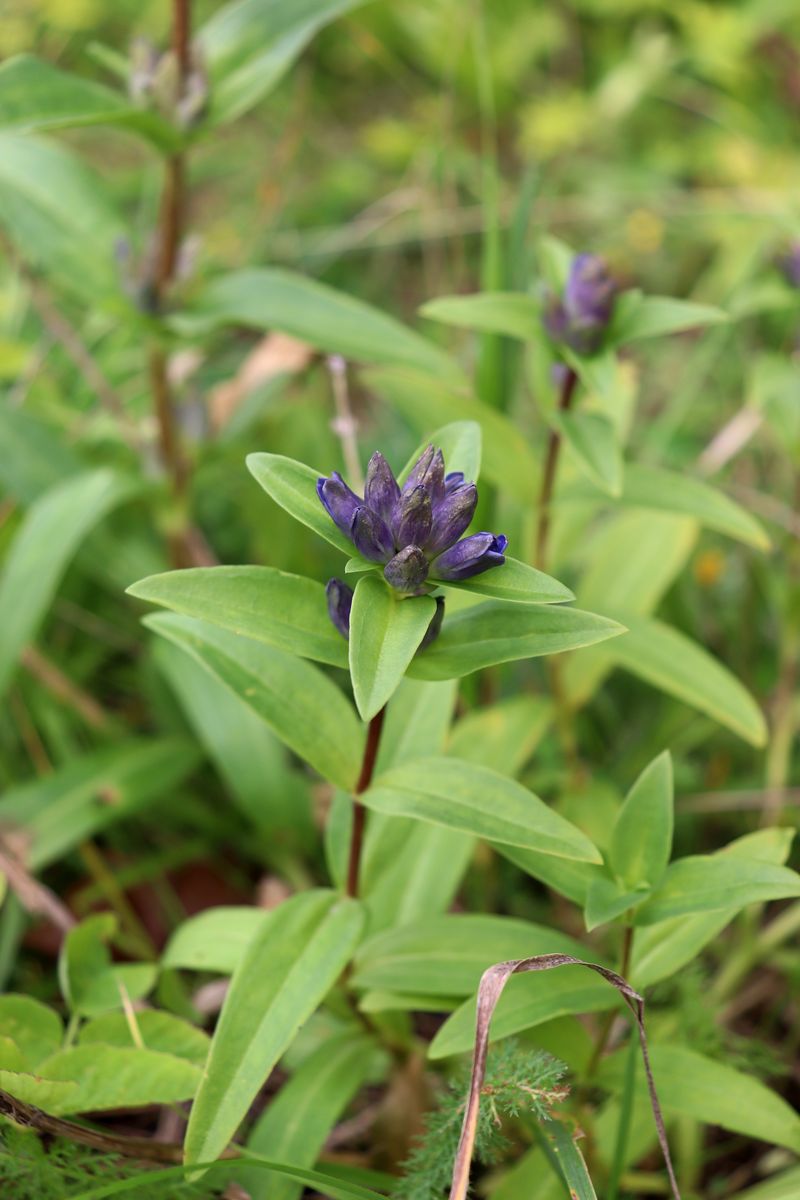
(427, 471)
(381, 490)
(451, 516)
(591, 290)
(407, 571)
(340, 601)
(414, 518)
(339, 501)
(434, 629)
(453, 480)
(471, 556)
(371, 535)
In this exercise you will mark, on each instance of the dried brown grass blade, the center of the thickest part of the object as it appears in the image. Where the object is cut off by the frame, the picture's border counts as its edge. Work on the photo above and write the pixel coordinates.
(489, 991)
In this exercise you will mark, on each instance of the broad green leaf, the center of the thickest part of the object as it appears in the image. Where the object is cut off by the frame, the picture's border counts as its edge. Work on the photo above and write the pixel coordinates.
(568, 878)
(507, 461)
(417, 722)
(249, 757)
(300, 704)
(497, 632)
(47, 1094)
(93, 792)
(606, 900)
(662, 949)
(527, 1000)
(637, 316)
(510, 313)
(692, 1085)
(784, 1186)
(36, 1029)
(502, 736)
(517, 582)
(53, 528)
(592, 439)
(473, 799)
(287, 971)
(116, 1077)
(161, 1031)
(293, 486)
(446, 955)
(295, 1124)
(641, 840)
(214, 940)
(250, 44)
(406, 1002)
(703, 882)
(672, 662)
(283, 610)
(668, 491)
(333, 321)
(423, 876)
(90, 982)
(59, 215)
(385, 633)
(461, 444)
(36, 95)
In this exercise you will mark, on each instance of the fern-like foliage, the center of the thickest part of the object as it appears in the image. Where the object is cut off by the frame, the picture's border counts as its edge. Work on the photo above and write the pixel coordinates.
(517, 1081)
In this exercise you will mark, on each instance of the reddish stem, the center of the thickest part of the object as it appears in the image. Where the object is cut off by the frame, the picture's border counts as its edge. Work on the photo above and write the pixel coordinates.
(359, 811)
(549, 476)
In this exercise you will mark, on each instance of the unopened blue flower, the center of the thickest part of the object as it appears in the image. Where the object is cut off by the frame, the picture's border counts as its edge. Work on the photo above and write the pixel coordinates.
(789, 263)
(579, 318)
(415, 531)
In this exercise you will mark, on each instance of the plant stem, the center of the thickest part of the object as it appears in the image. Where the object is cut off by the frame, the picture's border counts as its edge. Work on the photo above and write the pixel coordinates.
(359, 811)
(608, 1024)
(550, 467)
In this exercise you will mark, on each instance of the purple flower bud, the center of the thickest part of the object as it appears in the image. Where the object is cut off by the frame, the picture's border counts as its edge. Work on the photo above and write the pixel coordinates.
(340, 601)
(427, 471)
(453, 480)
(340, 502)
(434, 629)
(579, 319)
(414, 517)
(452, 516)
(471, 556)
(408, 570)
(381, 490)
(370, 535)
(789, 264)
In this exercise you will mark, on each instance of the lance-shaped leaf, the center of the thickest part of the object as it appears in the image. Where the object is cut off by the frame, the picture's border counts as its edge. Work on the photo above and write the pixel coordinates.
(474, 799)
(511, 313)
(384, 635)
(461, 443)
(704, 882)
(283, 610)
(215, 939)
(333, 321)
(498, 632)
(641, 840)
(298, 702)
(285, 974)
(516, 582)
(293, 485)
(636, 316)
(593, 440)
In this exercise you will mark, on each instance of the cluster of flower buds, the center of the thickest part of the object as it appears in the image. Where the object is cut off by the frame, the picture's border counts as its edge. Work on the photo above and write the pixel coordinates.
(414, 531)
(155, 81)
(340, 602)
(579, 318)
(789, 263)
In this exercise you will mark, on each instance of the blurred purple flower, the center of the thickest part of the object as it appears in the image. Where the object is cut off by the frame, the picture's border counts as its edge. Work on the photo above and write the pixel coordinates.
(415, 531)
(789, 263)
(579, 318)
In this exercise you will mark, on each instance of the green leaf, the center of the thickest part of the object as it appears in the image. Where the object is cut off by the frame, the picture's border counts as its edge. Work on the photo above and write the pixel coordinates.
(497, 632)
(300, 704)
(606, 900)
(90, 982)
(461, 444)
(283, 610)
(214, 940)
(59, 215)
(570, 1161)
(36, 1029)
(250, 44)
(294, 1126)
(446, 955)
(159, 1031)
(93, 792)
(287, 971)
(507, 460)
(293, 486)
(662, 949)
(593, 440)
(473, 799)
(527, 1000)
(517, 582)
(113, 1077)
(47, 1094)
(53, 528)
(668, 491)
(571, 879)
(36, 95)
(511, 313)
(385, 633)
(672, 662)
(707, 881)
(641, 840)
(717, 1095)
(636, 316)
(271, 298)
(783, 1186)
